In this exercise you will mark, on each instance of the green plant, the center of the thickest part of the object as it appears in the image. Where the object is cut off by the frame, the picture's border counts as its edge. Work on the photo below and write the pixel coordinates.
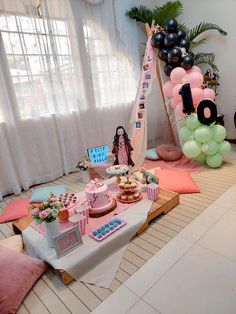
(172, 9)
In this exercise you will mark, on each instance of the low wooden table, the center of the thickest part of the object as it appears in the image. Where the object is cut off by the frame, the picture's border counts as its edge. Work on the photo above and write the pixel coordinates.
(167, 200)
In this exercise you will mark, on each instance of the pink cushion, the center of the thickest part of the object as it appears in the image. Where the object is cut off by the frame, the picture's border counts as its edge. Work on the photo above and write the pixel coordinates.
(177, 181)
(15, 209)
(18, 274)
(169, 152)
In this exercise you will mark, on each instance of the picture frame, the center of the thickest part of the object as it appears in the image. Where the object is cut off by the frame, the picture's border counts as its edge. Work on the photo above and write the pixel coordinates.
(67, 241)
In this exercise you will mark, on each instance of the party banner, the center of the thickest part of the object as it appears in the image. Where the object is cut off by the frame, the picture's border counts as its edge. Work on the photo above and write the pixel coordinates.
(139, 114)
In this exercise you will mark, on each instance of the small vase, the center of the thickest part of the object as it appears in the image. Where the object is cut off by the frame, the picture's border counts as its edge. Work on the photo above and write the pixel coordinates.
(84, 176)
(63, 215)
(52, 229)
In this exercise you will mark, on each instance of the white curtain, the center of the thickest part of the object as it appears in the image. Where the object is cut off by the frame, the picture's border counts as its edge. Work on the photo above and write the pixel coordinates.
(68, 77)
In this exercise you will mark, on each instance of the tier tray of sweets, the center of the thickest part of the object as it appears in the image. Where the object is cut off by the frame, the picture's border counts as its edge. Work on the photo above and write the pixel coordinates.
(128, 201)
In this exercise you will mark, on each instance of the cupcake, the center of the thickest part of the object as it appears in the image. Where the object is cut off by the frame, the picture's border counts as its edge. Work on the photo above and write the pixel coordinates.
(124, 198)
(132, 180)
(121, 185)
(123, 179)
(136, 195)
(127, 186)
(119, 194)
(133, 185)
(130, 197)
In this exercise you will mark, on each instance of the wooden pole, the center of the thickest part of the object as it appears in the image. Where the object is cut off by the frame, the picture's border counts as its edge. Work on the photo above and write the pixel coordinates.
(171, 133)
(150, 31)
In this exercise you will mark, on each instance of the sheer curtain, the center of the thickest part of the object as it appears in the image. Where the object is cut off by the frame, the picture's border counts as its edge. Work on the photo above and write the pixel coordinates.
(68, 77)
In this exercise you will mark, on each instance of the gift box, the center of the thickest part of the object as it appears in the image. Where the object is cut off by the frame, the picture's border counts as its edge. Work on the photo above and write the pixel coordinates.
(152, 191)
(80, 221)
(83, 211)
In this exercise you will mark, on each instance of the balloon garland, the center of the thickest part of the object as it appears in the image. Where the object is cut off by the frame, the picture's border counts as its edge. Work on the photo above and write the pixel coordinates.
(173, 47)
(202, 140)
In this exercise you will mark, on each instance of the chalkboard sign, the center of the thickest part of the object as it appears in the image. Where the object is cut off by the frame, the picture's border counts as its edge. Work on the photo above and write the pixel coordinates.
(98, 154)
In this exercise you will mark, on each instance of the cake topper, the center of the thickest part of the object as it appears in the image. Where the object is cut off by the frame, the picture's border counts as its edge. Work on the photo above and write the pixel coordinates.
(122, 148)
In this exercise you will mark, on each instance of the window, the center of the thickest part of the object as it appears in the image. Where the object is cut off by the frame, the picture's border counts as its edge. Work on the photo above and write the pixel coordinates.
(113, 83)
(39, 56)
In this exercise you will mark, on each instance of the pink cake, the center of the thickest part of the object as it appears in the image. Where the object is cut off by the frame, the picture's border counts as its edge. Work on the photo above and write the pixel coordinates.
(97, 196)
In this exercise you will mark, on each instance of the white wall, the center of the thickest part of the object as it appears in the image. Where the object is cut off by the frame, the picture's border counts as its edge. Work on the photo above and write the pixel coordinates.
(221, 13)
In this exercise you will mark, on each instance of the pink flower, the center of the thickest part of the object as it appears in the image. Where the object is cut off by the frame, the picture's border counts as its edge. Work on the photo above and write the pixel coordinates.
(35, 212)
(43, 214)
(81, 164)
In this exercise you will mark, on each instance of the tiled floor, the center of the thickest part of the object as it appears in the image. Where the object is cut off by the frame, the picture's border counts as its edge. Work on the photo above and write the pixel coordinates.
(195, 273)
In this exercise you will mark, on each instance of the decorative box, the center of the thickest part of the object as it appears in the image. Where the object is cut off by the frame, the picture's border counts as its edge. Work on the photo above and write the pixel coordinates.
(83, 211)
(79, 220)
(152, 191)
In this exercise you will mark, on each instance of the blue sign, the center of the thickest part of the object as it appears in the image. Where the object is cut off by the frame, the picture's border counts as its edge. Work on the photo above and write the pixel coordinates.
(98, 154)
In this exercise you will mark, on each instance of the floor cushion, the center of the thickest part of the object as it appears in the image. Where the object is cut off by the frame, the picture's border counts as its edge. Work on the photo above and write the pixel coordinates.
(169, 152)
(177, 181)
(15, 209)
(151, 154)
(43, 193)
(18, 274)
(14, 243)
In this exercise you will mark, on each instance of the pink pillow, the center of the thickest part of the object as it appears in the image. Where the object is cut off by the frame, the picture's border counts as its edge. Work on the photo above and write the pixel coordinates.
(177, 181)
(18, 274)
(169, 152)
(15, 209)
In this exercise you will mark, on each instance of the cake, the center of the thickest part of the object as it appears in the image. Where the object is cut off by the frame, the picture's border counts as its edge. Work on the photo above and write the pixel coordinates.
(136, 195)
(98, 197)
(121, 185)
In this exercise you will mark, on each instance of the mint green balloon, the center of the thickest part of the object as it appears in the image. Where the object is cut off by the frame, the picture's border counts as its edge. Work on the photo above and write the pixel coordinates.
(212, 148)
(191, 148)
(202, 134)
(218, 133)
(201, 159)
(192, 121)
(214, 161)
(224, 148)
(185, 133)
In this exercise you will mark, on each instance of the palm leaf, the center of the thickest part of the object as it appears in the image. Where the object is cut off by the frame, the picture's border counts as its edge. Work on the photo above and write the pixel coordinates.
(140, 14)
(170, 10)
(195, 44)
(201, 28)
(207, 58)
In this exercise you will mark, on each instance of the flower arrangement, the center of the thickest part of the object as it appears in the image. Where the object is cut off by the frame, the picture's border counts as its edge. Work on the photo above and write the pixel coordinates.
(84, 165)
(46, 211)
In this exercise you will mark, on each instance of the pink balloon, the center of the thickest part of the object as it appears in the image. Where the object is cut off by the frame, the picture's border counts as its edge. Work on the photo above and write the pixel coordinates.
(194, 69)
(179, 111)
(177, 75)
(197, 95)
(195, 79)
(209, 93)
(167, 88)
(173, 103)
(175, 93)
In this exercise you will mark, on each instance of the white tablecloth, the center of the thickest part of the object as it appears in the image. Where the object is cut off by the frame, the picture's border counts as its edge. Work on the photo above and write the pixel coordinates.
(93, 262)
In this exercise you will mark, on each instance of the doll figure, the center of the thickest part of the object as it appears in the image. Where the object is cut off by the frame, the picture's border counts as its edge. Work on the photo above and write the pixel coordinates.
(122, 148)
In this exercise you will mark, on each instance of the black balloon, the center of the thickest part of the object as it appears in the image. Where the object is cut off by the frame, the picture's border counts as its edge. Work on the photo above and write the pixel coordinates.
(184, 43)
(171, 26)
(174, 55)
(181, 35)
(187, 62)
(157, 40)
(163, 53)
(170, 40)
(168, 68)
(186, 94)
